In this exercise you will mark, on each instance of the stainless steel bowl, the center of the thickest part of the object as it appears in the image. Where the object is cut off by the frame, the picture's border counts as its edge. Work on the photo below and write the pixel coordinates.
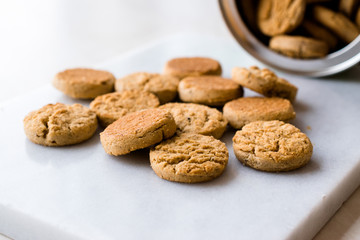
(334, 62)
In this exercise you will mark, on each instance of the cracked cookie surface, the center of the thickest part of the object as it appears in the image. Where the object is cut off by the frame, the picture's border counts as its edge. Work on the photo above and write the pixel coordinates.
(272, 146)
(84, 83)
(196, 118)
(163, 86)
(189, 158)
(137, 130)
(109, 107)
(59, 124)
(265, 82)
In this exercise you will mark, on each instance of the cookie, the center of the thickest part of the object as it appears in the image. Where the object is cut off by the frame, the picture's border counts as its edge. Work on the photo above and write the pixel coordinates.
(348, 7)
(192, 66)
(189, 158)
(84, 83)
(137, 130)
(264, 82)
(59, 124)
(275, 17)
(357, 18)
(272, 146)
(209, 90)
(298, 46)
(109, 107)
(336, 22)
(320, 33)
(163, 86)
(250, 109)
(196, 118)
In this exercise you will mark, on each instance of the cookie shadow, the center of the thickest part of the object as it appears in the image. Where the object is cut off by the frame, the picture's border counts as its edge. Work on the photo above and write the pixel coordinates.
(229, 174)
(62, 155)
(301, 107)
(62, 98)
(303, 111)
(138, 158)
(310, 168)
(349, 75)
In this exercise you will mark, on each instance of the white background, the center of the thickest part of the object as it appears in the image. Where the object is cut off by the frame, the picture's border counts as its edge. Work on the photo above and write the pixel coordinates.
(38, 38)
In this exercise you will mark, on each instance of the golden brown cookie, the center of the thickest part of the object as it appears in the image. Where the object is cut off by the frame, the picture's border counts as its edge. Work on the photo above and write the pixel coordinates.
(348, 7)
(189, 158)
(192, 66)
(109, 107)
(276, 17)
(137, 130)
(272, 146)
(357, 18)
(84, 83)
(196, 118)
(298, 46)
(209, 90)
(250, 109)
(336, 22)
(59, 124)
(163, 86)
(320, 33)
(264, 82)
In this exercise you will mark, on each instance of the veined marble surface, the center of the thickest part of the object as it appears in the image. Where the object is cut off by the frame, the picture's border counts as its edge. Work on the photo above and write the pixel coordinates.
(40, 38)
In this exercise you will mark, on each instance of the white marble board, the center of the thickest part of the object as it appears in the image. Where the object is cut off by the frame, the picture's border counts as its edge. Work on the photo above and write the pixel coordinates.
(80, 192)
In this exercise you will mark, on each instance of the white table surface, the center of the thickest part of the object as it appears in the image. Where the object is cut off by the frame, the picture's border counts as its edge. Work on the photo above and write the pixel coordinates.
(39, 38)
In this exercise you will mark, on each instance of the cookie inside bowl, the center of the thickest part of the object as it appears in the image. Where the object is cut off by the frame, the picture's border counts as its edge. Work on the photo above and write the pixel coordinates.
(295, 47)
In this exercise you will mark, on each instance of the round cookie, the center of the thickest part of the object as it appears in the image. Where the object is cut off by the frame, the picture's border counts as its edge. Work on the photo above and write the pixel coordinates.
(209, 90)
(276, 17)
(272, 146)
(163, 86)
(196, 118)
(336, 22)
(265, 82)
(84, 83)
(192, 66)
(320, 33)
(189, 158)
(137, 130)
(59, 124)
(299, 46)
(109, 107)
(250, 109)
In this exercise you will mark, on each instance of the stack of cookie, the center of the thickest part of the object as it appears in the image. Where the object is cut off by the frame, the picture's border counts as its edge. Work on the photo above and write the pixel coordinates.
(305, 28)
(177, 115)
